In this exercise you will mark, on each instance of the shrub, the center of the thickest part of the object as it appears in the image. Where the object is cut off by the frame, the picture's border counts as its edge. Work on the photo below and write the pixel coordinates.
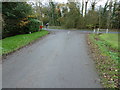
(10, 28)
(69, 23)
(90, 26)
(12, 14)
(32, 26)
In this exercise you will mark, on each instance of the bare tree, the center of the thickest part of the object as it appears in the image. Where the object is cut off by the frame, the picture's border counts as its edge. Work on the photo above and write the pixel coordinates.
(38, 7)
(109, 14)
(86, 2)
(93, 3)
(82, 6)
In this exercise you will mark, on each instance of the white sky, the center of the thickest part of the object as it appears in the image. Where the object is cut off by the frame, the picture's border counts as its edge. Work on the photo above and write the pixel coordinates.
(101, 2)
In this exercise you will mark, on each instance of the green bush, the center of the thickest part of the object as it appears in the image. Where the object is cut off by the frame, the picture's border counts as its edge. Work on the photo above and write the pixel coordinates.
(12, 14)
(32, 26)
(10, 29)
(90, 26)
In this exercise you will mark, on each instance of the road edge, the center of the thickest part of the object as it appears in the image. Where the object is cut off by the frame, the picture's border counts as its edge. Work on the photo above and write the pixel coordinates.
(29, 44)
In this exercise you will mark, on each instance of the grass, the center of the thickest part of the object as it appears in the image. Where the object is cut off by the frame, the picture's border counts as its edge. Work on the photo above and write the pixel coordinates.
(106, 55)
(13, 43)
(111, 39)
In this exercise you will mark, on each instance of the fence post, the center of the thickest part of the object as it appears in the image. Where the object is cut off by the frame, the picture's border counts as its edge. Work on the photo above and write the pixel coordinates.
(94, 31)
(107, 31)
(98, 30)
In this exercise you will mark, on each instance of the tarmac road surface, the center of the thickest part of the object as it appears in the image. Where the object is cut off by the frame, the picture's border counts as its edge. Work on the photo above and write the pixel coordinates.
(59, 60)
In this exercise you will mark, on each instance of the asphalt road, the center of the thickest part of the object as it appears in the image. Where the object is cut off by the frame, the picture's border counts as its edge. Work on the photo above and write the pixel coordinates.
(59, 60)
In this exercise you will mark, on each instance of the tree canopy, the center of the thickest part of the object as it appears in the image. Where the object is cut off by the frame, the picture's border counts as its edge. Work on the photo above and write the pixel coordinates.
(78, 15)
(16, 17)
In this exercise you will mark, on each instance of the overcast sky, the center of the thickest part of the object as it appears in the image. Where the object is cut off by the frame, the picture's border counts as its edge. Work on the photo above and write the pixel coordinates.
(101, 2)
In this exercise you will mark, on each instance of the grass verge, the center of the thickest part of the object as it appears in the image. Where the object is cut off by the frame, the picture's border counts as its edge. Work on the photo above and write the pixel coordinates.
(13, 43)
(111, 40)
(106, 56)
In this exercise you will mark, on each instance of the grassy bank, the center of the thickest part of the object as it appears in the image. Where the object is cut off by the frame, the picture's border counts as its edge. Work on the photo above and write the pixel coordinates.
(111, 40)
(105, 51)
(11, 44)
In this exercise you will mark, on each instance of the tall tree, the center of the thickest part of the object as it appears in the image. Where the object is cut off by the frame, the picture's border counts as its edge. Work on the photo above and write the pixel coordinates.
(103, 13)
(109, 15)
(117, 15)
(93, 3)
(52, 13)
(13, 13)
(86, 3)
(72, 16)
(82, 7)
(38, 9)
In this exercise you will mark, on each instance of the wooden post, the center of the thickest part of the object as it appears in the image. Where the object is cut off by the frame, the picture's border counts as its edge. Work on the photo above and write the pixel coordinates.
(106, 30)
(94, 31)
(98, 30)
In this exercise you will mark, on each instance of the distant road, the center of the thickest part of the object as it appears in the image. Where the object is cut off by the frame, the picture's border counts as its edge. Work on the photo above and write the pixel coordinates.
(59, 60)
(82, 31)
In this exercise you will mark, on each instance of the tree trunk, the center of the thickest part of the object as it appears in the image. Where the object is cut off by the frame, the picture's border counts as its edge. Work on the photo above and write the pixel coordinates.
(109, 16)
(82, 6)
(93, 6)
(86, 7)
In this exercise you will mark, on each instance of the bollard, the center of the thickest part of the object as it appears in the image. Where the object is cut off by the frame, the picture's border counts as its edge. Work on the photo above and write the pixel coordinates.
(98, 30)
(94, 31)
(106, 30)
